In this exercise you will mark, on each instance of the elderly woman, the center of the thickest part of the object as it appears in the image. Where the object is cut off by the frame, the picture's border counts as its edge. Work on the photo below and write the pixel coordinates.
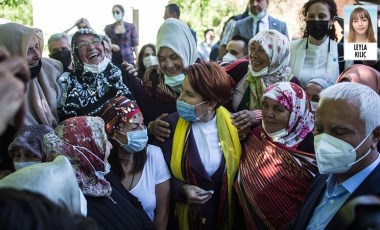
(94, 80)
(84, 142)
(203, 150)
(26, 148)
(269, 54)
(141, 168)
(42, 91)
(159, 90)
(275, 169)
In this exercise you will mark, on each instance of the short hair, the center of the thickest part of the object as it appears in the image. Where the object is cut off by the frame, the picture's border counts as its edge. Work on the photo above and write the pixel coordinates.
(57, 37)
(237, 37)
(367, 100)
(211, 81)
(120, 7)
(333, 12)
(206, 31)
(361, 13)
(174, 9)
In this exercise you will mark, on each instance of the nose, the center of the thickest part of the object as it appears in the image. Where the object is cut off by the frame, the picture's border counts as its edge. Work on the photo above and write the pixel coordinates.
(169, 64)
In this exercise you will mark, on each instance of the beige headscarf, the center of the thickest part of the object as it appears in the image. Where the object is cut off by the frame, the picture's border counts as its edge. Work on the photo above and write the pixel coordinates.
(56, 180)
(43, 91)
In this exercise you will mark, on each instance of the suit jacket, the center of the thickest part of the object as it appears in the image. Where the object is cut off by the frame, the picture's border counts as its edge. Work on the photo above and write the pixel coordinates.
(316, 191)
(244, 27)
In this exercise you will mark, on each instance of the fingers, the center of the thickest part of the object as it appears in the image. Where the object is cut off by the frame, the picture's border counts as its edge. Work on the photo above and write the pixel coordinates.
(160, 129)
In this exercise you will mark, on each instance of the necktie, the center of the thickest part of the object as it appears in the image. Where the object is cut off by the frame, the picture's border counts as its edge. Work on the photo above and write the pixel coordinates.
(257, 26)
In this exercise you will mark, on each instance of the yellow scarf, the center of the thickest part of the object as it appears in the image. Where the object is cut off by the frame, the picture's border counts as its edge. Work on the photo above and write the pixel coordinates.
(231, 148)
(257, 87)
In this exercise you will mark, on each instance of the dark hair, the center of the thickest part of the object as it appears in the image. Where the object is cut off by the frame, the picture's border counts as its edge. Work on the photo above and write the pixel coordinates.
(211, 81)
(174, 9)
(120, 7)
(140, 65)
(333, 12)
(139, 160)
(361, 13)
(23, 209)
(206, 31)
(237, 37)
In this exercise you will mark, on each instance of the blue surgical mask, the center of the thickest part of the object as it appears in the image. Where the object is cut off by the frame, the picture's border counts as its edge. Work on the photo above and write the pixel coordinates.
(175, 82)
(187, 111)
(20, 165)
(137, 140)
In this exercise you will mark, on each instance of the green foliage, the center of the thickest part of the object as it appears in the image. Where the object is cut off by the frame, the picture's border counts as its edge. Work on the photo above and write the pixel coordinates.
(203, 14)
(19, 11)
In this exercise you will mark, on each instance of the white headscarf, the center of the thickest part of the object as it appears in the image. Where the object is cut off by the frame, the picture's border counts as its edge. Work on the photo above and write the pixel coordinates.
(176, 35)
(56, 180)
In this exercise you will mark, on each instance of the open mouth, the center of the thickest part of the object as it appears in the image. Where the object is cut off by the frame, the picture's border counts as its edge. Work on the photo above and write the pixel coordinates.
(93, 56)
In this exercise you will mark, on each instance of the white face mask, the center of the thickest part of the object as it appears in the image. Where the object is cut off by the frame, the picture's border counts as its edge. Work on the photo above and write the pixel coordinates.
(276, 135)
(20, 165)
(260, 73)
(96, 68)
(314, 106)
(334, 155)
(229, 58)
(175, 82)
(149, 61)
(118, 17)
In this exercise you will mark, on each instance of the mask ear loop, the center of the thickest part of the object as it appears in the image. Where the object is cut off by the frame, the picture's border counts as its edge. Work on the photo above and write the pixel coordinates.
(351, 164)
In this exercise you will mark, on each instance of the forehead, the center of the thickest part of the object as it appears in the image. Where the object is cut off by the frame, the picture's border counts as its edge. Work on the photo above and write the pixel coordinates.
(148, 49)
(318, 8)
(136, 119)
(235, 44)
(338, 112)
(165, 51)
(116, 9)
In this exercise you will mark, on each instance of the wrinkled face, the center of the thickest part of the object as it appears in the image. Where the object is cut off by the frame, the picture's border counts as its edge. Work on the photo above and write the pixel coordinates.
(91, 50)
(313, 90)
(236, 48)
(148, 51)
(33, 53)
(341, 120)
(170, 62)
(133, 124)
(22, 155)
(258, 58)
(360, 25)
(59, 45)
(256, 6)
(275, 116)
(318, 12)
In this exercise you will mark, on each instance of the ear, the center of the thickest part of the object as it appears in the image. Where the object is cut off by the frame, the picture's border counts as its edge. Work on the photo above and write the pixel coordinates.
(376, 137)
(212, 105)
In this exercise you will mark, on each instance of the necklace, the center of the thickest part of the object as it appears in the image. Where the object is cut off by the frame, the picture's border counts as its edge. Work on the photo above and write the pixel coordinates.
(130, 186)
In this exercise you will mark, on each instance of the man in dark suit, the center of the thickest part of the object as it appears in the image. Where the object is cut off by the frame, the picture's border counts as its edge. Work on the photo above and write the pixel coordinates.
(258, 20)
(347, 130)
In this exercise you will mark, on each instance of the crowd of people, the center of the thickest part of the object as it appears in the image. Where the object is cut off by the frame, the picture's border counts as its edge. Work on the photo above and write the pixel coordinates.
(267, 134)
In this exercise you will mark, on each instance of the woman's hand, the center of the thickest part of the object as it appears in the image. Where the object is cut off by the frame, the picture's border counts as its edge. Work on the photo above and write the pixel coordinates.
(130, 69)
(115, 48)
(243, 120)
(159, 128)
(195, 195)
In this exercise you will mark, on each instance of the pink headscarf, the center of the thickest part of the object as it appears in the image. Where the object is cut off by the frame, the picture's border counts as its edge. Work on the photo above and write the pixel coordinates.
(83, 141)
(362, 74)
(301, 120)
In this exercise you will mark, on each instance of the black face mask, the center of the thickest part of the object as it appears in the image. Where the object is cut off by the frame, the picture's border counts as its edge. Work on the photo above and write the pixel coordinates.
(35, 70)
(64, 56)
(317, 29)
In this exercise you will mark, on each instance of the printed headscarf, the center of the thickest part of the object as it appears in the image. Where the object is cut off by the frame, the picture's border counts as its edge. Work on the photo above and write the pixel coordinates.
(277, 49)
(294, 99)
(118, 112)
(30, 138)
(79, 139)
(176, 35)
(362, 74)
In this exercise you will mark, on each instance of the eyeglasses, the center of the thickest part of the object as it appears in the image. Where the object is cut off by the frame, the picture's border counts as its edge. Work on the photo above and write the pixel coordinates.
(86, 44)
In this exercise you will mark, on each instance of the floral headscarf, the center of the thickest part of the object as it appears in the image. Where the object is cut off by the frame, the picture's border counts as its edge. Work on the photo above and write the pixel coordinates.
(277, 49)
(294, 99)
(362, 74)
(79, 139)
(117, 112)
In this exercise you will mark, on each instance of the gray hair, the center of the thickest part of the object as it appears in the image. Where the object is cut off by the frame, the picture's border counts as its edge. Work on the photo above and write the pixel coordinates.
(57, 37)
(366, 98)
